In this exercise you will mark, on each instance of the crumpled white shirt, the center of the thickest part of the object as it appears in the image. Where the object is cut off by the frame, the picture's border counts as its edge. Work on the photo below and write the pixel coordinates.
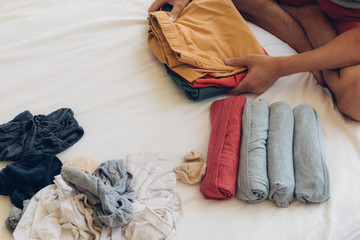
(56, 212)
(158, 206)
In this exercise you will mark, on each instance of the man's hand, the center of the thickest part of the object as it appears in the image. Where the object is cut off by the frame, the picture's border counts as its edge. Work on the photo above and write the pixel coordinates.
(178, 6)
(263, 71)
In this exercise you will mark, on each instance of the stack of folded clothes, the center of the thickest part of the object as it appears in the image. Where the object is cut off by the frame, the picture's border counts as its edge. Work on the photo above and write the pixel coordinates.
(277, 151)
(194, 47)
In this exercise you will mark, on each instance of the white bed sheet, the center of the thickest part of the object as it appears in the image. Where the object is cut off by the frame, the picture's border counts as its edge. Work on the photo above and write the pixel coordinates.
(93, 57)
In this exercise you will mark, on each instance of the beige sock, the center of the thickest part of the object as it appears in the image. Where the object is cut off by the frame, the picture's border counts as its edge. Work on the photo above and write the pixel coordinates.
(192, 170)
(84, 164)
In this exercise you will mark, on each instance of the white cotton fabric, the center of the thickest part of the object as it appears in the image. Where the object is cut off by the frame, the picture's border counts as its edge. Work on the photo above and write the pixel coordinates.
(157, 206)
(57, 213)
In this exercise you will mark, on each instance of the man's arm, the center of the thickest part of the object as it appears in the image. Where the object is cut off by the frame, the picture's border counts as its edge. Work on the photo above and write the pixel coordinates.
(263, 71)
(342, 51)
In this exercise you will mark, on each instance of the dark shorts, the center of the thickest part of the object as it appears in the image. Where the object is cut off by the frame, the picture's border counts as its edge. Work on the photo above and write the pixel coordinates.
(342, 18)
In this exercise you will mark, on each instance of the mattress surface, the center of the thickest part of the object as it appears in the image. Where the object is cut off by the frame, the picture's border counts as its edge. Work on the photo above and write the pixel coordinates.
(93, 57)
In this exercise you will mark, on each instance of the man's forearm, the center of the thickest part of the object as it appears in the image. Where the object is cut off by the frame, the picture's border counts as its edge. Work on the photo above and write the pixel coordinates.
(341, 52)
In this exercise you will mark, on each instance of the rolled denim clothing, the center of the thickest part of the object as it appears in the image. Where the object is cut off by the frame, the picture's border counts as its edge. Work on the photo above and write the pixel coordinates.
(223, 151)
(50, 134)
(252, 180)
(280, 154)
(107, 189)
(22, 179)
(311, 173)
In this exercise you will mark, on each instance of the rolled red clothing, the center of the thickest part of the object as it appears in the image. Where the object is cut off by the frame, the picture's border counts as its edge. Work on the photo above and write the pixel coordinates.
(223, 152)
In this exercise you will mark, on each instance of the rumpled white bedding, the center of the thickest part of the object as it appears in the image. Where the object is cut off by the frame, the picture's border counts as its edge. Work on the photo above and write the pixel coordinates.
(93, 57)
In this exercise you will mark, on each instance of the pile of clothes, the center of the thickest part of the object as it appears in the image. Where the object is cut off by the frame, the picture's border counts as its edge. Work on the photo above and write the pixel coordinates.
(257, 151)
(111, 200)
(81, 198)
(194, 47)
(32, 142)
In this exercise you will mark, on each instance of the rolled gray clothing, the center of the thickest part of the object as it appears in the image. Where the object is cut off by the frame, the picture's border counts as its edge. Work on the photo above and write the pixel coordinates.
(280, 154)
(311, 174)
(252, 181)
(107, 189)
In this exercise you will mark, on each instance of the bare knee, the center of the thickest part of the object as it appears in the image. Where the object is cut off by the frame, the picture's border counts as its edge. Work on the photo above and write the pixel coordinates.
(347, 95)
(349, 106)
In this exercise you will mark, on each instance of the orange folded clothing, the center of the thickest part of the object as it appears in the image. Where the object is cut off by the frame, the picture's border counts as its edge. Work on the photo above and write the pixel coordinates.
(201, 38)
(229, 81)
(223, 151)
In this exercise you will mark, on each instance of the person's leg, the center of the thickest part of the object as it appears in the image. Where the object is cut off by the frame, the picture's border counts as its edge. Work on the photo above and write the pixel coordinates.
(343, 83)
(269, 15)
(317, 27)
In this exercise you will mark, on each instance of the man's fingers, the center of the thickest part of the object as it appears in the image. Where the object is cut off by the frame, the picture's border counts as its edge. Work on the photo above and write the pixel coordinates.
(178, 6)
(156, 5)
(240, 88)
(175, 12)
(235, 61)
